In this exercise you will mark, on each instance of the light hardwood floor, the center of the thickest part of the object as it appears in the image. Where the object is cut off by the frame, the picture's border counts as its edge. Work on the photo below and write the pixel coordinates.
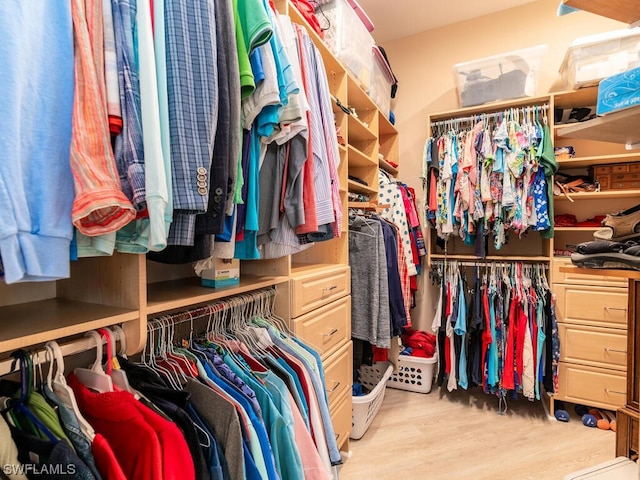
(461, 436)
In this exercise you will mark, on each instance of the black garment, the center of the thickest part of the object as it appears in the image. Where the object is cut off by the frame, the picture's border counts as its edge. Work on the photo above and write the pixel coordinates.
(547, 380)
(362, 353)
(55, 461)
(396, 299)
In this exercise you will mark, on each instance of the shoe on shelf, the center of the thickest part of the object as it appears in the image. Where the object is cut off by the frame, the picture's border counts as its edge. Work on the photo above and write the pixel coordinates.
(620, 226)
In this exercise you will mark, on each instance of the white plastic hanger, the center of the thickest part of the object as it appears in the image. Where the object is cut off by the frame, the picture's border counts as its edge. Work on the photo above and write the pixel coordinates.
(95, 377)
(58, 384)
(118, 376)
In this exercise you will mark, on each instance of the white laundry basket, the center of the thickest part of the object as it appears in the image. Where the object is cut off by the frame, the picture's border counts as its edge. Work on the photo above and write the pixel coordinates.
(366, 407)
(415, 374)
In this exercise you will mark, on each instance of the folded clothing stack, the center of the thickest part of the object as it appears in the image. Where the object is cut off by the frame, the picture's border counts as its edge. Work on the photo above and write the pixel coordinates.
(615, 246)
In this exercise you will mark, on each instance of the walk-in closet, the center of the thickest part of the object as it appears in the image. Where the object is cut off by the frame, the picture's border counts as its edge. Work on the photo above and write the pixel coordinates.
(319, 239)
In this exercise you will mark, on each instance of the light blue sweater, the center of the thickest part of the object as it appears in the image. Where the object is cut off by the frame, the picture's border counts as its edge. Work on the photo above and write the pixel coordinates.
(36, 100)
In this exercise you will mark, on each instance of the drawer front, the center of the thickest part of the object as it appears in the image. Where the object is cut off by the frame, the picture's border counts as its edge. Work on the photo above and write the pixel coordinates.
(599, 306)
(623, 168)
(338, 373)
(341, 418)
(327, 327)
(624, 184)
(315, 290)
(597, 387)
(634, 167)
(581, 278)
(601, 170)
(598, 347)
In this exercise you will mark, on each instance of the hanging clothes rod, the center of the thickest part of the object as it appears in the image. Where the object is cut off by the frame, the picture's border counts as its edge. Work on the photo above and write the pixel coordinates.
(480, 116)
(482, 262)
(212, 308)
(73, 347)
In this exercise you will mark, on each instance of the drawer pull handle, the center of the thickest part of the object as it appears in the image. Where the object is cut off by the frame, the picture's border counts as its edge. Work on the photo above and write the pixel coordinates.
(616, 308)
(614, 391)
(608, 350)
(335, 387)
(333, 332)
(331, 288)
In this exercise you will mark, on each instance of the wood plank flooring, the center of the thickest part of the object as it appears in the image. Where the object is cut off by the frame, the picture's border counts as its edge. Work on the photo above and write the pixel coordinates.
(461, 436)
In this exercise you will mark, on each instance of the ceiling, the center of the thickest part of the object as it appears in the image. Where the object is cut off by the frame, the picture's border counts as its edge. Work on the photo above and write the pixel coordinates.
(395, 19)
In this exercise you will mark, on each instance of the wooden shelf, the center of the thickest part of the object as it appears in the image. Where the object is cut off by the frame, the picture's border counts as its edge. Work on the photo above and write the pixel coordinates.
(359, 159)
(609, 194)
(583, 162)
(184, 292)
(583, 97)
(368, 205)
(359, 188)
(359, 132)
(605, 272)
(576, 229)
(490, 108)
(618, 127)
(342, 148)
(358, 99)
(626, 11)
(386, 127)
(387, 167)
(490, 258)
(32, 323)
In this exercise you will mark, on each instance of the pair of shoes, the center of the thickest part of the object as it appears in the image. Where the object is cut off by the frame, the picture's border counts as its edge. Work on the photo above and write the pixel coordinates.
(607, 254)
(623, 225)
(605, 420)
(560, 413)
(588, 420)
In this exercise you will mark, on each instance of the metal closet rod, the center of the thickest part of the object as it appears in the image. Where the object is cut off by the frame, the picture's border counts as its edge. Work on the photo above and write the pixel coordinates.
(482, 263)
(479, 116)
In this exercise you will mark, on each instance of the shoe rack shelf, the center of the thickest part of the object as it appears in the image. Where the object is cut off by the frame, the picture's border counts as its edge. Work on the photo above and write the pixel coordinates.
(626, 11)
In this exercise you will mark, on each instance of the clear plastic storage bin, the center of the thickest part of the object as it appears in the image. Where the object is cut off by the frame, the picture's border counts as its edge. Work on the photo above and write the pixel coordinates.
(348, 38)
(381, 82)
(500, 77)
(592, 58)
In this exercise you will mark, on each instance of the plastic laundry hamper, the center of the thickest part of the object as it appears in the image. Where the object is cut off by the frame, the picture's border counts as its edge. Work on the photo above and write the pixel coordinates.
(415, 374)
(366, 407)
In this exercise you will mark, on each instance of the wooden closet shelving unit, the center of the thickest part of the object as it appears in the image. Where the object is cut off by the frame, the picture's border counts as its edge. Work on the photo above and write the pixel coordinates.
(626, 11)
(313, 286)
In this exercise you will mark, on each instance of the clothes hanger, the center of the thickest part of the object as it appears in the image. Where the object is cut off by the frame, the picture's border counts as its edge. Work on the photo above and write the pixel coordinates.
(17, 408)
(118, 376)
(153, 332)
(95, 377)
(57, 383)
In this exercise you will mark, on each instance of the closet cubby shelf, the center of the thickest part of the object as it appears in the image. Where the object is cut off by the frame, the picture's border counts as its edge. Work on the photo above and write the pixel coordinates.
(387, 167)
(359, 159)
(584, 162)
(608, 194)
(342, 148)
(27, 324)
(359, 132)
(618, 127)
(359, 188)
(627, 11)
(183, 292)
(582, 97)
(386, 127)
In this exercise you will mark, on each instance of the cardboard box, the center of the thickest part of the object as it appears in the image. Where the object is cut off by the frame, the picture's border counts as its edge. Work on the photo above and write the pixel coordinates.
(225, 273)
(619, 92)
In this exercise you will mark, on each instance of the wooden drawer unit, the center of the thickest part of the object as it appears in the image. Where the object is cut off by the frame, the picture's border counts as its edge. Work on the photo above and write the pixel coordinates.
(315, 288)
(338, 373)
(598, 347)
(620, 176)
(592, 386)
(326, 328)
(598, 306)
(580, 278)
(342, 421)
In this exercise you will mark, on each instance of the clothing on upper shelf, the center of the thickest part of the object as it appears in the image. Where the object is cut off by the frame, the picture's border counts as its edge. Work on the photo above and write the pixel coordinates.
(216, 140)
(493, 175)
(497, 329)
